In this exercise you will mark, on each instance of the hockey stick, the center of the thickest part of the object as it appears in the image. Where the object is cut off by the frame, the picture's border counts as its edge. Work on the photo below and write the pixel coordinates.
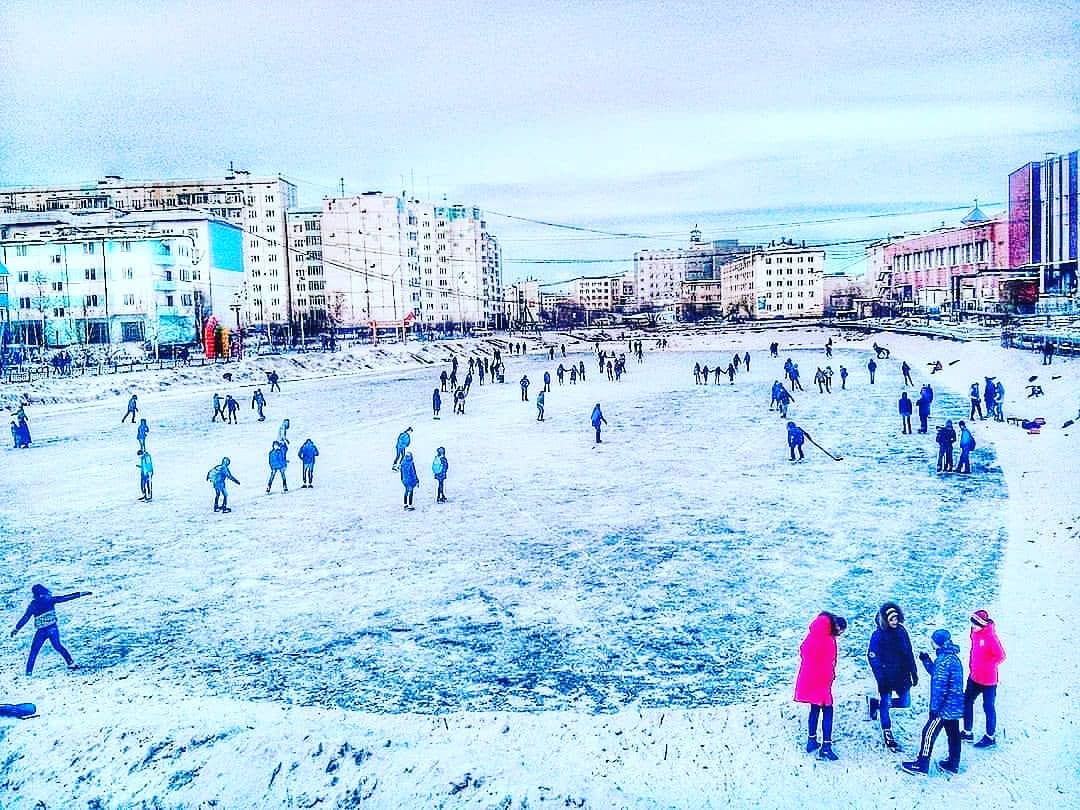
(823, 450)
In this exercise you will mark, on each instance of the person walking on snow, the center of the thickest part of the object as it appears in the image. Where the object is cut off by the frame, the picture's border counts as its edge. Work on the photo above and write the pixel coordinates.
(217, 409)
(524, 388)
(976, 402)
(403, 440)
(999, 400)
(989, 396)
(967, 444)
(141, 434)
(946, 437)
(540, 407)
(409, 479)
(871, 367)
(581, 370)
(279, 460)
(559, 372)
(283, 433)
(307, 453)
(893, 663)
(272, 378)
(904, 367)
(784, 398)
(946, 705)
(436, 403)
(146, 476)
(218, 476)
(986, 656)
(813, 685)
(439, 467)
(597, 420)
(43, 609)
(795, 437)
(905, 413)
(259, 401)
(697, 373)
(547, 380)
(843, 378)
(231, 408)
(746, 360)
(133, 406)
(923, 405)
(442, 379)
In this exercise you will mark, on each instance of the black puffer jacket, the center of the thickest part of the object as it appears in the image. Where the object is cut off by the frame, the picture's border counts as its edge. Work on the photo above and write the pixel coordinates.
(890, 654)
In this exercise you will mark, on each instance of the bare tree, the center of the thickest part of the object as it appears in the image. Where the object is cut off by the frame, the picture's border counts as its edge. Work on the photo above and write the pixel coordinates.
(42, 300)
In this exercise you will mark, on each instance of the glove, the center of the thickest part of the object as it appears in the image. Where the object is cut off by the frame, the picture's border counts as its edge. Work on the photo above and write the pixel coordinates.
(924, 657)
(914, 680)
(13, 632)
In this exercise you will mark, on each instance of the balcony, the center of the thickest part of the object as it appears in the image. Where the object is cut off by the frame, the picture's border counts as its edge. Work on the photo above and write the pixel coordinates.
(165, 259)
(161, 285)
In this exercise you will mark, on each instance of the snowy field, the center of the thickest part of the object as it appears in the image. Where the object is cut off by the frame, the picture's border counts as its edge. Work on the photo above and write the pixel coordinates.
(603, 626)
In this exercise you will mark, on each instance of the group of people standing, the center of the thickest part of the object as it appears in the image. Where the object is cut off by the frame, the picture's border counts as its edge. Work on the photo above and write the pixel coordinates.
(892, 662)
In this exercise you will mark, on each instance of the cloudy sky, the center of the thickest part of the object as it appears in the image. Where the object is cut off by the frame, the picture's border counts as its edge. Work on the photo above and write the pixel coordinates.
(639, 117)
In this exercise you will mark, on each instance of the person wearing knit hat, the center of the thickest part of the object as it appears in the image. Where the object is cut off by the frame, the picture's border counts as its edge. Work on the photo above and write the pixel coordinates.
(946, 706)
(893, 664)
(986, 655)
(813, 684)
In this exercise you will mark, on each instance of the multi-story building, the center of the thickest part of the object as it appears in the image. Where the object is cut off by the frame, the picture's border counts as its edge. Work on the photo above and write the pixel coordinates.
(782, 280)
(597, 293)
(659, 274)
(111, 276)
(523, 302)
(304, 246)
(1043, 220)
(394, 260)
(627, 292)
(256, 204)
(700, 298)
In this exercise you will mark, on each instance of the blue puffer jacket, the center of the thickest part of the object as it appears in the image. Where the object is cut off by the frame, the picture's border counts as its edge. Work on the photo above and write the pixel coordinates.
(946, 683)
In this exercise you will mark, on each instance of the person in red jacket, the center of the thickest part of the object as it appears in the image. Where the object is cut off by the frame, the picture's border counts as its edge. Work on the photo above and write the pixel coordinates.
(986, 655)
(817, 671)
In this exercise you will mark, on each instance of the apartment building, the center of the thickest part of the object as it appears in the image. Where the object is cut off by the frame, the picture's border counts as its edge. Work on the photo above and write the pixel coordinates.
(523, 302)
(304, 246)
(782, 280)
(390, 259)
(597, 293)
(659, 274)
(257, 204)
(101, 277)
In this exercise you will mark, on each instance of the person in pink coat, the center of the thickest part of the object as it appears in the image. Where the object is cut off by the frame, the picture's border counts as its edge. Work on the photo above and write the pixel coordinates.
(986, 655)
(817, 671)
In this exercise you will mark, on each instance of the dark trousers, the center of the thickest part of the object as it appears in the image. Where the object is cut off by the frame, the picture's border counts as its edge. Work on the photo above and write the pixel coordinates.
(408, 496)
(597, 433)
(989, 694)
(126, 415)
(929, 737)
(826, 713)
(922, 421)
(799, 448)
(441, 496)
(976, 408)
(52, 635)
(944, 458)
(963, 465)
(906, 419)
(902, 700)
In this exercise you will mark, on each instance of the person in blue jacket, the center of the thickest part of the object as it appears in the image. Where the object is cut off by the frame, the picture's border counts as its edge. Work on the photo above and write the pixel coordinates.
(906, 369)
(43, 608)
(279, 460)
(141, 434)
(540, 407)
(946, 705)
(307, 453)
(132, 408)
(871, 367)
(403, 440)
(926, 396)
(439, 467)
(597, 420)
(436, 403)
(905, 413)
(146, 476)
(524, 388)
(23, 431)
(893, 663)
(409, 479)
(547, 380)
(258, 400)
(843, 378)
(795, 437)
(218, 476)
(967, 444)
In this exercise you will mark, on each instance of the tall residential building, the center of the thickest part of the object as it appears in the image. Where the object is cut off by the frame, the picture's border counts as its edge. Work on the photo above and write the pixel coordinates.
(256, 204)
(304, 246)
(523, 302)
(782, 280)
(659, 274)
(393, 259)
(602, 293)
(1043, 220)
(110, 276)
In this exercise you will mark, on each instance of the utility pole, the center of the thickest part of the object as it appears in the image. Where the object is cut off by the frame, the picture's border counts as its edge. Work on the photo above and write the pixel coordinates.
(342, 183)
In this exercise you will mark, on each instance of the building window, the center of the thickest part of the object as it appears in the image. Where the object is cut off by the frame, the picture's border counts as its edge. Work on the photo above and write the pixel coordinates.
(58, 286)
(56, 258)
(24, 275)
(88, 248)
(20, 250)
(168, 300)
(91, 274)
(58, 312)
(186, 299)
(129, 273)
(91, 301)
(24, 303)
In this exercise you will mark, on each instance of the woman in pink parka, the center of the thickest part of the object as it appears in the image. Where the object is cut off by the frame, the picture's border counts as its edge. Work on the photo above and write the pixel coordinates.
(817, 671)
(986, 655)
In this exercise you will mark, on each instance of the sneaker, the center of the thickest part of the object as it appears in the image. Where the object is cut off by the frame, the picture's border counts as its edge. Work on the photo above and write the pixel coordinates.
(268, 490)
(967, 736)
(915, 767)
(812, 745)
(225, 509)
(890, 741)
(986, 742)
(945, 765)
(217, 508)
(827, 753)
(284, 489)
(872, 706)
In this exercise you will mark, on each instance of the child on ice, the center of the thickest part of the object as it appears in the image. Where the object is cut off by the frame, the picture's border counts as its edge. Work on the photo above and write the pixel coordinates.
(43, 608)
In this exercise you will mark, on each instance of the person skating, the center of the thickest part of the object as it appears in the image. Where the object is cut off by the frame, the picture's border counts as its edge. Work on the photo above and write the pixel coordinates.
(459, 400)
(540, 407)
(872, 368)
(828, 348)
(573, 375)
(843, 378)
(524, 388)
(22, 432)
(442, 379)
(141, 434)
(794, 375)
(730, 374)
(697, 373)
(217, 409)
(923, 404)
(946, 705)
(146, 476)
(906, 369)
(774, 349)
(403, 440)
(746, 360)
(132, 408)
(15, 435)
(279, 460)
(409, 479)
(597, 419)
(990, 396)
(813, 684)
(976, 402)
(905, 413)
(272, 378)
(559, 372)
(547, 380)
(819, 380)
(967, 444)
(232, 407)
(439, 468)
(218, 476)
(893, 663)
(795, 437)
(999, 401)
(283, 433)
(43, 609)
(987, 654)
(581, 370)
(784, 398)
(259, 401)
(307, 453)
(436, 403)
(946, 438)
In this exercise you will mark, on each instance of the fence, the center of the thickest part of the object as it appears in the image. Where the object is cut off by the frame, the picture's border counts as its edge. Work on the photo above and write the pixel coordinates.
(28, 372)
(1067, 345)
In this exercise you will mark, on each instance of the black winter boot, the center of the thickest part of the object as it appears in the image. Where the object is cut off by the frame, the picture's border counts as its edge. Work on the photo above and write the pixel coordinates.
(890, 741)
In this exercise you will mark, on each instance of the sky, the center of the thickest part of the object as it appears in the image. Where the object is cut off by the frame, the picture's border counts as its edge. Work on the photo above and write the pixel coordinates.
(626, 117)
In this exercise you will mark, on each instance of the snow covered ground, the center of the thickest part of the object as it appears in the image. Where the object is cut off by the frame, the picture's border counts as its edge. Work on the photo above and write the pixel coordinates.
(602, 626)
